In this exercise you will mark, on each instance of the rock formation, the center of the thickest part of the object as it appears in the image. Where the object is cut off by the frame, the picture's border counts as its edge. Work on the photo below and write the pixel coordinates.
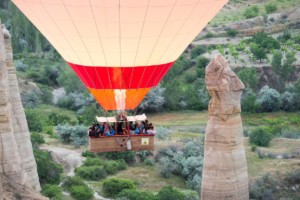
(225, 169)
(17, 164)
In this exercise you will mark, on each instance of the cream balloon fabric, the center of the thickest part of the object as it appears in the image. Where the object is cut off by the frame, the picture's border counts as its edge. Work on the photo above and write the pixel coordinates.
(120, 32)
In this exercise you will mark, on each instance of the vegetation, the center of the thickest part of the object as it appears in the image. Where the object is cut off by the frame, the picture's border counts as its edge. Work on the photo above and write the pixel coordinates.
(112, 186)
(49, 172)
(261, 137)
(79, 190)
(52, 191)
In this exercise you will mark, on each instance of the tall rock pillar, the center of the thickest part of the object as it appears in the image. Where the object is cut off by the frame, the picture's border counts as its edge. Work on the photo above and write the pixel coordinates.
(225, 173)
(19, 122)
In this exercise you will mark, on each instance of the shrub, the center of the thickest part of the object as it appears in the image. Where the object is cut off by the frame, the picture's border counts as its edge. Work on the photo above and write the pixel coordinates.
(149, 162)
(54, 119)
(263, 188)
(143, 154)
(111, 167)
(36, 138)
(31, 99)
(94, 173)
(93, 162)
(197, 51)
(169, 193)
(248, 101)
(137, 195)
(291, 133)
(293, 178)
(88, 154)
(162, 132)
(35, 123)
(260, 137)
(251, 12)
(72, 181)
(270, 8)
(269, 99)
(81, 192)
(52, 191)
(128, 156)
(232, 32)
(113, 186)
(76, 134)
(190, 77)
(48, 171)
(201, 62)
(288, 101)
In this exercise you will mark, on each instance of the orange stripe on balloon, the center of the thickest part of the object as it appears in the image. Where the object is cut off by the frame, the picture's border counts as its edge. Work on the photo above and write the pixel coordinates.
(106, 98)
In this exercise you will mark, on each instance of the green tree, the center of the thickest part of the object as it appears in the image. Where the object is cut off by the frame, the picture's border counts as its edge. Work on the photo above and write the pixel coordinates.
(249, 77)
(258, 52)
(282, 65)
(69, 80)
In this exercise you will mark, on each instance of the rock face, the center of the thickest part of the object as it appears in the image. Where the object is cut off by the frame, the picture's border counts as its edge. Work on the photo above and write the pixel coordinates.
(17, 163)
(225, 169)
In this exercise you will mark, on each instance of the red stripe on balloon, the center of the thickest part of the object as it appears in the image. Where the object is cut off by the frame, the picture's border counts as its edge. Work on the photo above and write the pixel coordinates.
(99, 77)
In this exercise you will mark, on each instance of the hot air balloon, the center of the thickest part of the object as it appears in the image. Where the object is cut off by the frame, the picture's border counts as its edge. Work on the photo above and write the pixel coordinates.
(120, 49)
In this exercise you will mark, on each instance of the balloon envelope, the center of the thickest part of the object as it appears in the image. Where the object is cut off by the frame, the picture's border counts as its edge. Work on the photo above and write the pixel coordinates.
(120, 49)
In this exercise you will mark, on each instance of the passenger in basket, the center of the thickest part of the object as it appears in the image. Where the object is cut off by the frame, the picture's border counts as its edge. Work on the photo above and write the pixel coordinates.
(120, 128)
(106, 130)
(142, 128)
(92, 130)
(131, 128)
(112, 130)
(147, 126)
(137, 128)
(98, 130)
(151, 130)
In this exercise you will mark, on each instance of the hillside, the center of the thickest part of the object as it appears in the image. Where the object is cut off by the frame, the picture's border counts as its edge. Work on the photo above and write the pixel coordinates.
(261, 41)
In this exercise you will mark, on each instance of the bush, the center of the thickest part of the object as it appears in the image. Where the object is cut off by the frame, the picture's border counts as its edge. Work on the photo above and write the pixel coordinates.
(263, 188)
(149, 162)
(113, 186)
(197, 51)
(137, 195)
(128, 156)
(34, 121)
(169, 193)
(201, 62)
(31, 99)
(54, 119)
(72, 181)
(288, 101)
(232, 32)
(94, 173)
(93, 162)
(48, 171)
(270, 8)
(251, 12)
(81, 192)
(76, 134)
(269, 99)
(291, 133)
(36, 138)
(88, 154)
(260, 137)
(248, 101)
(52, 191)
(162, 132)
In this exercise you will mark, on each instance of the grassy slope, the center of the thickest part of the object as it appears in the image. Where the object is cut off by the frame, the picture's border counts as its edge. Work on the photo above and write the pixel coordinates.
(237, 13)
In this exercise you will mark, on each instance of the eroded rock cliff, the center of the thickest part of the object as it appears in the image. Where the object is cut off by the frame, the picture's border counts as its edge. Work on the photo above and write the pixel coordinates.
(18, 170)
